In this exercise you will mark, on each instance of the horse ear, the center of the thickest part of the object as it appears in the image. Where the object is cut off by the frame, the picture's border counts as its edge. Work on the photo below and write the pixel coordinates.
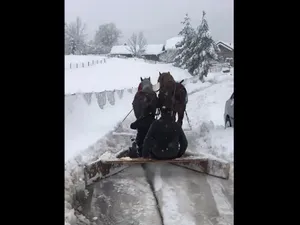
(150, 78)
(141, 79)
(169, 72)
(159, 73)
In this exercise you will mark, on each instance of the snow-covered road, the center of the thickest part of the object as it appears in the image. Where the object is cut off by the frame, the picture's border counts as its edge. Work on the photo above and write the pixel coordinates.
(183, 197)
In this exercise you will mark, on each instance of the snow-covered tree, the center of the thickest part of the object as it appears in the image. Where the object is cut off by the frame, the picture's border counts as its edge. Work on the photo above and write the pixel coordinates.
(67, 42)
(137, 44)
(73, 47)
(203, 49)
(91, 48)
(106, 37)
(75, 37)
(183, 52)
(142, 42)
(132, 44)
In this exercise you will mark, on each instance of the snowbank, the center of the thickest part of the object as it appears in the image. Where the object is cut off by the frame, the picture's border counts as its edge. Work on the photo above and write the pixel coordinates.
(86, 122)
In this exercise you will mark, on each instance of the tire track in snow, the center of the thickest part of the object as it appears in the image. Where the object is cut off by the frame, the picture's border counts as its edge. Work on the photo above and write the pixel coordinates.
(184, 196)
(150, 179)
(222, 203)
(167, 199)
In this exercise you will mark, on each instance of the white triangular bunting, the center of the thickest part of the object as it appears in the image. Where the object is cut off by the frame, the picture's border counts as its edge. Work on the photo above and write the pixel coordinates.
(88, 97)
(120, 93)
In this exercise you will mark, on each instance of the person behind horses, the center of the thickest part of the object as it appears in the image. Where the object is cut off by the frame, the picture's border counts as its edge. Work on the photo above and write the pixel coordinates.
(165, 138)
(144, 106)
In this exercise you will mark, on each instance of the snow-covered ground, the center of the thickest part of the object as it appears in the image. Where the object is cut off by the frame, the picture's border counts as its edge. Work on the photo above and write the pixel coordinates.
(88, 129)
(86, 123)
(74, 61)
(116, 74)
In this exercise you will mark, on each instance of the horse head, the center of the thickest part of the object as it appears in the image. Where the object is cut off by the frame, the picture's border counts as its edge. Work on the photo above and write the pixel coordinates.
(164, 78)
(146, 85)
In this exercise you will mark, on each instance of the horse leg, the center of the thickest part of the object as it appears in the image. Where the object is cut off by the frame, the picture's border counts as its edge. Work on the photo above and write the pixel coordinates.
(174, 116)
(180, 117)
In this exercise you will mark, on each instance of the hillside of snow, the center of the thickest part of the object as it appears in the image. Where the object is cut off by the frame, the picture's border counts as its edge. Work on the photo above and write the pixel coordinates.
(73, 61)
(116, 74)
(89, 126)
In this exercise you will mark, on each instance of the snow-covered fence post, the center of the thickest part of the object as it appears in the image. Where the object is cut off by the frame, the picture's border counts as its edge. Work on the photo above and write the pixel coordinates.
(83, 64)
(70, 65)
(76, 65)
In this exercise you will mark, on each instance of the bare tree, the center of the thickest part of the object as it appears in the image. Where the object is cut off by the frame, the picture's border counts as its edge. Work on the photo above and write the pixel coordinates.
(75, 36)
(137, 44)
(141, 42)
(133, 44)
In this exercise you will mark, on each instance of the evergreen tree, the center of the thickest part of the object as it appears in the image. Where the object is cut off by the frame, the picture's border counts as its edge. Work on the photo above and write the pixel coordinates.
(184, 51)
(202, 50)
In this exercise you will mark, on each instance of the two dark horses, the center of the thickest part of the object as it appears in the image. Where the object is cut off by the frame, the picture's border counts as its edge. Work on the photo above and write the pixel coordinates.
(172, 95)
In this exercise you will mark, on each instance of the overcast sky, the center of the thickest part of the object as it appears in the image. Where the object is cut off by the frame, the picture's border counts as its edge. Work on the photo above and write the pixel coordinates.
(158, 19)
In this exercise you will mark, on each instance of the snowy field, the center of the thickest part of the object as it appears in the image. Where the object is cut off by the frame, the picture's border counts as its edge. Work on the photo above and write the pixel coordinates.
(116, 74)
(73, 61)
(88, 135)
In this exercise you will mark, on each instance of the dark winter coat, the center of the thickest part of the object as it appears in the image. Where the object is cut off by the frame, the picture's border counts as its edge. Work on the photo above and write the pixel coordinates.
(142, 126)
(144, 107)
(165, 139)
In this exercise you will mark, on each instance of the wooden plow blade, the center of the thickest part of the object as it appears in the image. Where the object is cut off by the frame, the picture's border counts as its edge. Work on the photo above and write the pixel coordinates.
(107, 167)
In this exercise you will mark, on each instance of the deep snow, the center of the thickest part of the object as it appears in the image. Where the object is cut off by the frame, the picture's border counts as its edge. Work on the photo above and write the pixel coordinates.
(116, 74)
(86, 125)
(81, 59)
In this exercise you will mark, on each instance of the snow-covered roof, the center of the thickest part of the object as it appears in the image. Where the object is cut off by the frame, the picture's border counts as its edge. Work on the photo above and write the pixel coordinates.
(171, 43)
(120, 49)
(125, 49)
(226, 45)
(153, 49)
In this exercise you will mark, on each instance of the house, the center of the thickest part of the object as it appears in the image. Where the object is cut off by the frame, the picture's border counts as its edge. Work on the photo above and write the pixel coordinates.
(170, 47)
(172, 42)
(152, 52)
(121, 50)
(226, 51)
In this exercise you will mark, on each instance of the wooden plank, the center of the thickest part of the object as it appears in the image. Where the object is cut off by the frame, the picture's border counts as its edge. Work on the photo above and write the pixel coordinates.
(99, 170)
(127, 160)
(212, 167)
(200, 163)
